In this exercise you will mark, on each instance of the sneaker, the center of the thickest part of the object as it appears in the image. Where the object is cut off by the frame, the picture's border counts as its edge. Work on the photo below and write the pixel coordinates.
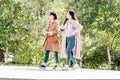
(76, 66)
(65, 68)
(42, 67)
(55, 67)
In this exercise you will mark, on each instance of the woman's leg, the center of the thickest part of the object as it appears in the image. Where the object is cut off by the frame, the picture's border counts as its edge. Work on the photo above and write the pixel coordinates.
(73, 58)
(43, 66)
(56, 57)
(46, 56)
(70, 42)
(57, 60)
(70, 46)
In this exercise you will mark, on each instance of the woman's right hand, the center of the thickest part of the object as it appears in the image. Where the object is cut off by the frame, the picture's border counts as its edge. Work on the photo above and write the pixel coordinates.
(62, 28)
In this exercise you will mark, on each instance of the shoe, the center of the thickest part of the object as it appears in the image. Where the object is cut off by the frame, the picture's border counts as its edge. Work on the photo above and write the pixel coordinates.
(65, 68)
(42, 67)
(55, 67)
(76, 66)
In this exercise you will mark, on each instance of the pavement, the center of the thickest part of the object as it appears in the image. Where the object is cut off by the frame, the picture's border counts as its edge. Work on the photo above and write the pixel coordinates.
(35, 73)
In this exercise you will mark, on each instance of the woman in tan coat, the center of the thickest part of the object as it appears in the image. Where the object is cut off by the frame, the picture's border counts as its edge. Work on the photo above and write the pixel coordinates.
(71, 44)
(51, 43)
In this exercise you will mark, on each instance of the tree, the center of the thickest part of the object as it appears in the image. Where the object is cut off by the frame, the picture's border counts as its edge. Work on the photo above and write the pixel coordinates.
(108, 14)
(9, 12)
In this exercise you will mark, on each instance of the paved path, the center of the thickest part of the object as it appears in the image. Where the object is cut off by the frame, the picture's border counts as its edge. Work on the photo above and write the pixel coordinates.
(32, 73)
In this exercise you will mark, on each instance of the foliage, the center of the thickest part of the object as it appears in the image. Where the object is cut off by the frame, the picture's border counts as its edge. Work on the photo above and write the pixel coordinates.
(21, 23)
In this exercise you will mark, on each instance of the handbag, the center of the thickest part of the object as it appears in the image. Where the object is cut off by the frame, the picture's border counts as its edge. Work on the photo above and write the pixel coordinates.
(52, 39)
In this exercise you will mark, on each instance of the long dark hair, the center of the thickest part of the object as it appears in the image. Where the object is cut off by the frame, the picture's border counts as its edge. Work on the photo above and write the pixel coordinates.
(71, 12)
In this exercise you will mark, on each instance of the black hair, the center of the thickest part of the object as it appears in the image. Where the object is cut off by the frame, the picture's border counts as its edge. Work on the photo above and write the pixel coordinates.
(54, 14)
(71, 12)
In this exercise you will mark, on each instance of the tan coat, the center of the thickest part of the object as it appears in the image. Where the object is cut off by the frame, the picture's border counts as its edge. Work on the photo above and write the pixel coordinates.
(55, 46)
(76, 51)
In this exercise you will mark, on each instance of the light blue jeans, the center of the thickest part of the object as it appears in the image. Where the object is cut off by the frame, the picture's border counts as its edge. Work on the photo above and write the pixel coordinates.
(70, 43)
(46, 57)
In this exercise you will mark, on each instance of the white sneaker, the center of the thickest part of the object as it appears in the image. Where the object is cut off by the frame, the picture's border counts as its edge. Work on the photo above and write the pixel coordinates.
(76, 66)
(65, 68)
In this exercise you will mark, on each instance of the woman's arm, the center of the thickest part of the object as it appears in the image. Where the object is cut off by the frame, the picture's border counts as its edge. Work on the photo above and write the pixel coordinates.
(78, 28)
(55, 30)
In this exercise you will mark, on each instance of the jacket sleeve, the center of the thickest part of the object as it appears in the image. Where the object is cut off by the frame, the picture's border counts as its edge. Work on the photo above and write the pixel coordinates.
(55, 30)
(78, 27)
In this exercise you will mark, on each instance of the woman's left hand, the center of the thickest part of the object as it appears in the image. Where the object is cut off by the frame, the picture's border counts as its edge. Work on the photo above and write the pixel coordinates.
(50, 33)
(74, 33)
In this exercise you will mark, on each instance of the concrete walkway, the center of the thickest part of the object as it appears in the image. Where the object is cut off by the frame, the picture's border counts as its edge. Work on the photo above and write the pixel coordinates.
(34, 73)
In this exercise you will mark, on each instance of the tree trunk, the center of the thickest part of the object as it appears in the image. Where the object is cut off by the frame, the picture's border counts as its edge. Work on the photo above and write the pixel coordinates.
(109, 58)
(108, 52)
(6, 53)
(81, 55)
(36, 47)
(14, 57)
(107, 37)
(36, 41)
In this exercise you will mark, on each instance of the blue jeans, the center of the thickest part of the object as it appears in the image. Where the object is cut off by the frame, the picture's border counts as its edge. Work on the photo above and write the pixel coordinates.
(47, 52)
(70, 43)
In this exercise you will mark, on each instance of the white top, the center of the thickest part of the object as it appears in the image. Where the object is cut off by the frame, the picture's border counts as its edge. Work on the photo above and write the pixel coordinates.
(69, 29)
